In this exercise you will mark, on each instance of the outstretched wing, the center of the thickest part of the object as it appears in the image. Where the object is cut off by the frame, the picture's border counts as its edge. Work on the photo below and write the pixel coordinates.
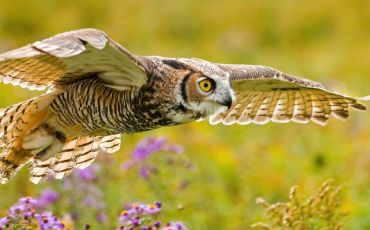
(265, 94)
(70, 56)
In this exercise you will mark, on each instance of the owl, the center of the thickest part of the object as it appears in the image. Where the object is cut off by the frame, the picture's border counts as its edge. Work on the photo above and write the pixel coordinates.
(97, 90)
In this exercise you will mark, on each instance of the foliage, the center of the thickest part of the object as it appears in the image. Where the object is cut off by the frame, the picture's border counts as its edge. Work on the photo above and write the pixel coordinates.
(321, 211)
(83, 189)
(24, 215)
(138, 216)
(27, 215)
(222, 170)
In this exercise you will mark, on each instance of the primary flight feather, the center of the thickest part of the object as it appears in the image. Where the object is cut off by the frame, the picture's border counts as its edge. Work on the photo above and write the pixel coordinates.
(96, 90)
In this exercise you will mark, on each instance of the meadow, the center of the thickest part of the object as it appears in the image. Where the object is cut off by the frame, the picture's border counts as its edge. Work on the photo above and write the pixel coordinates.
(209, 177)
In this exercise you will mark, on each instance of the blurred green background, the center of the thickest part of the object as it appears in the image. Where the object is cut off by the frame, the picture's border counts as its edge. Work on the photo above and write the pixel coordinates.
(326, 41)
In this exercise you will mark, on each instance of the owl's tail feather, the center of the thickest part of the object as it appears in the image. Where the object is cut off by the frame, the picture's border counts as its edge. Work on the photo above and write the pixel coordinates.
(78, 153)
(23, 134)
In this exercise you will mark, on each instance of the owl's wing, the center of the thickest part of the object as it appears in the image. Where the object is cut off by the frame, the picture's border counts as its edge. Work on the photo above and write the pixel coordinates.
(265, 94)
(70, 56)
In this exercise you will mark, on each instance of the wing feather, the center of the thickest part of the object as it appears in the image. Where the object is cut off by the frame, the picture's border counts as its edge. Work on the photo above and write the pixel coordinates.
(65, 159)
(243, 117)
(300, 114)
(261, 115)
(88, 152)
(281, 108)
(265, 94)
(40, 170)
(78, 153)
(257, 104)
(70, 56)
(111, 144)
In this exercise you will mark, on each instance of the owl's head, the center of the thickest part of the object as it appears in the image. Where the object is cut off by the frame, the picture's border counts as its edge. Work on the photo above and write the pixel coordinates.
(202, 87)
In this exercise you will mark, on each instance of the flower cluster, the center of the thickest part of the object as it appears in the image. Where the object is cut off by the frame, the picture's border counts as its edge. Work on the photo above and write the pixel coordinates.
(174, 226)
(140, 216)
(145, 149)
(25, 215)
(83, 189)
(320, 211)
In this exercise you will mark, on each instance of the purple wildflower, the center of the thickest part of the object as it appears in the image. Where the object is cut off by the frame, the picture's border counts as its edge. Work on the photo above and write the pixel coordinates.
(153, 209)
(48, 196)
(101, 217)
(147, 147)
(139, 210)
(175, 226)
(144, 150)
(24, 214)
(152, 145)
(4, 222)
(144, 172)
(25, 205)
(88, 174)
(48, 221)
(139, 216)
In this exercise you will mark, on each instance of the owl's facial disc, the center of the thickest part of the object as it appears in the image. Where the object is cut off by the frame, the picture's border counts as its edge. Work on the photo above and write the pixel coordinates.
(206, 94)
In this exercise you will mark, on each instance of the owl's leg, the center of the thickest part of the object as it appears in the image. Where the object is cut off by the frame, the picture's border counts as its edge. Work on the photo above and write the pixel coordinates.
(51, 150)
(41, 143)
(44, 142)
(37, 141)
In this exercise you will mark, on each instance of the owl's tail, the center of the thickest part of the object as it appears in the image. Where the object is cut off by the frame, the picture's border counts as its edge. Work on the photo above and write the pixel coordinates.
(23, 134)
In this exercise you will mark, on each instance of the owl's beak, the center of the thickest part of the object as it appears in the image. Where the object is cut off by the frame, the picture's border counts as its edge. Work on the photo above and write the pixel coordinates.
(227, 101)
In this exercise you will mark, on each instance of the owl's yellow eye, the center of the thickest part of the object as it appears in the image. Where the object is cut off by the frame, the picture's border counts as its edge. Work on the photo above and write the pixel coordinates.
(206, 85)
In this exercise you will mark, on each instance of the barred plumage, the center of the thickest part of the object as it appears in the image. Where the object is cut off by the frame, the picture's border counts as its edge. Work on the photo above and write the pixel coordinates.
(98, 90)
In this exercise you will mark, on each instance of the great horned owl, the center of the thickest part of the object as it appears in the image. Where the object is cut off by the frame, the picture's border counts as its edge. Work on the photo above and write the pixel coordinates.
(96, 90)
